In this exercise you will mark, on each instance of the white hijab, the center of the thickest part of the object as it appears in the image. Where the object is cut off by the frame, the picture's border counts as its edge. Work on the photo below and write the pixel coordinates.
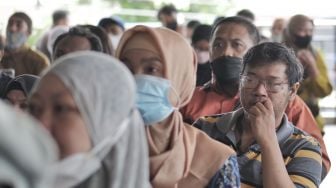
(104, 91)
(27, 151)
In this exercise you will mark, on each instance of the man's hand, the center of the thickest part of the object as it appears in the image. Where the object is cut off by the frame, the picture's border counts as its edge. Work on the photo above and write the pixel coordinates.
(262, 121)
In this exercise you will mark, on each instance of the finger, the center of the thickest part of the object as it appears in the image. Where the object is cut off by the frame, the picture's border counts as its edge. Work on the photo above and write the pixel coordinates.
(268, 104)
(255, 110)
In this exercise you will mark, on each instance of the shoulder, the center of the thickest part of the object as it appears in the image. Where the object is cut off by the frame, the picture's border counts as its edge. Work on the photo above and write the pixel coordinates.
(299, 142)
(37, 56)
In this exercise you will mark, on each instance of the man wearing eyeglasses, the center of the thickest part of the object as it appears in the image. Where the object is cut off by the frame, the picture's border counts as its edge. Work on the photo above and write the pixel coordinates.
(230, 39)
(271, 151)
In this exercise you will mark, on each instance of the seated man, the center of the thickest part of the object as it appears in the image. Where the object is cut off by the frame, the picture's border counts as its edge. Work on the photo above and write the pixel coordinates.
(230, 39)
(271, 151)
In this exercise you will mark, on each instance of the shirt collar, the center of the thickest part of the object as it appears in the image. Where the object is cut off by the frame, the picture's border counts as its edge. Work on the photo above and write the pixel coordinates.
(285, 129)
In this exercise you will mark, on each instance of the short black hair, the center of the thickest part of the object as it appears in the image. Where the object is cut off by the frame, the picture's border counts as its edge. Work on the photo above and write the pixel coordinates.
(273, 52)
(201, 32)
(96, 44)
(167, 10)
(103, 36)
(24, 17)
(105, 22)
(193, 24)
(250, 27)
(59, 15)
(246, 14)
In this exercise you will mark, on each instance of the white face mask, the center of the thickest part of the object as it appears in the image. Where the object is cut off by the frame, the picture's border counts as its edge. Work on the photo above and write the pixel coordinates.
(203, 57)
(276, 38)
(78, 167)
(115, 40)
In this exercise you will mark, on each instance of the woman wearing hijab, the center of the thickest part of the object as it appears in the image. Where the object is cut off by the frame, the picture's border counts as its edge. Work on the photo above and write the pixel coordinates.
(164, 67)
(27, 151)
(316, 84)
(18, 90)
(94, 120)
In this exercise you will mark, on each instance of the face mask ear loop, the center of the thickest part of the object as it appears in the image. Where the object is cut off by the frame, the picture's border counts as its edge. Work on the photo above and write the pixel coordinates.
(178, 98)
(99, 150)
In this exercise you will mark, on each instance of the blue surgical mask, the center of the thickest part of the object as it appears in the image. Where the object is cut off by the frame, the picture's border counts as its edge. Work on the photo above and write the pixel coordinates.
(152, 98)
(15, 40)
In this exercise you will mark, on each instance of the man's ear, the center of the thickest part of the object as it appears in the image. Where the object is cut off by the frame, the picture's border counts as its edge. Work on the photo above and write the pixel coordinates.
(293, 90)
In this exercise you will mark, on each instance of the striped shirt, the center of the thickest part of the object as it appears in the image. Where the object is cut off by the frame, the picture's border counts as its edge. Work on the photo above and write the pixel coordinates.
(301, 152)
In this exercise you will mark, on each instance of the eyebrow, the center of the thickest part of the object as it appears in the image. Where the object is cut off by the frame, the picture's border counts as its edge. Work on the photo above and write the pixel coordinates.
(268, 77)
(54, 96)
(151, 59)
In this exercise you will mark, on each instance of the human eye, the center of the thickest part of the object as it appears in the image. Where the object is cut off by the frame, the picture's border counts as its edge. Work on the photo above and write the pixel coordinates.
(217, 45)
(62, 109)
(153, 68)
(238, 45)
(274, 86)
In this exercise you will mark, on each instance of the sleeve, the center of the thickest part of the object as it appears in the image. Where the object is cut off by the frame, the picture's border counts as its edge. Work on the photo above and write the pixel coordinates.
(228, 176)
(39, 62)
(305, 167)
(319, 86)
(299, 114)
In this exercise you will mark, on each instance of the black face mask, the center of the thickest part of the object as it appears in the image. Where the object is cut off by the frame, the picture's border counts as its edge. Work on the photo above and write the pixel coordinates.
(172, 25)
(302, 42)
(227, 72)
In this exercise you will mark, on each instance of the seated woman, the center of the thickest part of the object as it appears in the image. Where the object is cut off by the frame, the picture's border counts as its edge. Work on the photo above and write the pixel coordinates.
(164, 67)
(90, 111)
(27, 151)
(18, 90)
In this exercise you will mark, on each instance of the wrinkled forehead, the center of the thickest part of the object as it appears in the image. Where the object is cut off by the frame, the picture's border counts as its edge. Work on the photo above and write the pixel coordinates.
(232, 30)
(262, 69)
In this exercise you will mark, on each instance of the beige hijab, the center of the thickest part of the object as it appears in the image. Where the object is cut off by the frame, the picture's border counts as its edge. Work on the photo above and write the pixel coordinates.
(180, 155)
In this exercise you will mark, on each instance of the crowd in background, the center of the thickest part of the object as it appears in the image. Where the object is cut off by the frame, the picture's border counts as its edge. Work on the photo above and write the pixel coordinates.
(198, 105)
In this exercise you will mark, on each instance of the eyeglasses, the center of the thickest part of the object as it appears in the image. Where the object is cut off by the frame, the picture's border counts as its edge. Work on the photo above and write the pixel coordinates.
(251, 82)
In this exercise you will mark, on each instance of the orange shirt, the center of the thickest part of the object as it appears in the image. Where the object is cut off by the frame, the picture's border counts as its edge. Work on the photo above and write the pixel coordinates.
(206, 102)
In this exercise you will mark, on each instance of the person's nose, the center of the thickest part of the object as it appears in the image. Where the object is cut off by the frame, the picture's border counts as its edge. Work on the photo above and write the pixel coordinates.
(261, 89)
(228, 51)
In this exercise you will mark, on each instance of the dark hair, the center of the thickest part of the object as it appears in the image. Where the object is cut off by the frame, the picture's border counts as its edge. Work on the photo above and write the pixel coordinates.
(250, 27)
(193, 24)
(24, 17)
(273, 52)
(167, 10)
(246, 14)
(96, 44)
(105, 22)
(103, 36)
(201, 32)
(59, 15)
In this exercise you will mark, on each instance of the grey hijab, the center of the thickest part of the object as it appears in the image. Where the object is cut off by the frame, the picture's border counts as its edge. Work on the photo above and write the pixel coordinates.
(27, 151)
(104, 91)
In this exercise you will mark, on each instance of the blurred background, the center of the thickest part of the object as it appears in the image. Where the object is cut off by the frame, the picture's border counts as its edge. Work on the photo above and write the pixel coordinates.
(134, 12)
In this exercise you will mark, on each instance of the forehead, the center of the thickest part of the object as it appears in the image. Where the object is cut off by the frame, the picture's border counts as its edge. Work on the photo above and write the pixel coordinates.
(75, 42)
(139, 54)
(267, 69)
(305, 25)
(232, 31)
(16, 20)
